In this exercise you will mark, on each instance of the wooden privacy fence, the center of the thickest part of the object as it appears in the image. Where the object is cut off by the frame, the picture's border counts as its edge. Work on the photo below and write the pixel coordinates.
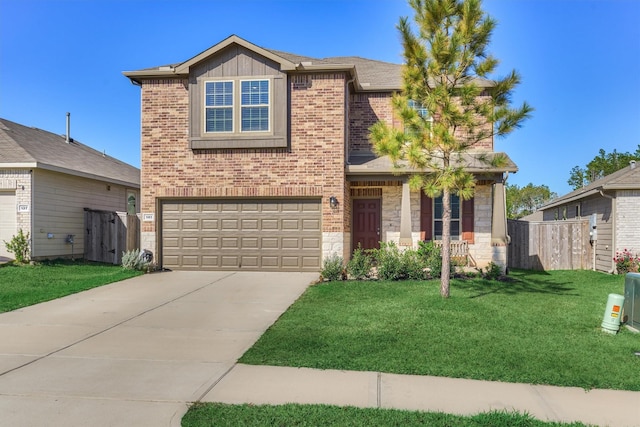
(108, 234)
(550, 245)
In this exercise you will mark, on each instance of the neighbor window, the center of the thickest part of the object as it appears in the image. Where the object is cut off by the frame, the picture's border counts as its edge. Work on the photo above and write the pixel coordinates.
(237, 106)
(455, 217)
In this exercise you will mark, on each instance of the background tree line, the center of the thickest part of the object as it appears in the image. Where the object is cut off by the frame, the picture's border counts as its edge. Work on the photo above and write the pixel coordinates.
(522, 201)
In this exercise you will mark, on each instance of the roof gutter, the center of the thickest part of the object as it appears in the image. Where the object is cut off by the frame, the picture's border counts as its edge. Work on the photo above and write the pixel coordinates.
(73, 172)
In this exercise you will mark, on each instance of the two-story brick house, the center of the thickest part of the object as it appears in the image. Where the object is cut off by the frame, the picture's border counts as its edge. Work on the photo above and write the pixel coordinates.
(260, 159)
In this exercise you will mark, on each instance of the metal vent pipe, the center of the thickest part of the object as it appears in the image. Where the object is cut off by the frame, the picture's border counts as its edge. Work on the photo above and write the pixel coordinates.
(68, 139)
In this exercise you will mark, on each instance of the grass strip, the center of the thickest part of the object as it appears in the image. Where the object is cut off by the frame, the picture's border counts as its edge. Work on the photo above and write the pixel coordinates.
(24, 285)
(217, 414)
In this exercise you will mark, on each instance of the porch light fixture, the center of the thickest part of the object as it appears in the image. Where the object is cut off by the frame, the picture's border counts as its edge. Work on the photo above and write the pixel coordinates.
(333, 202)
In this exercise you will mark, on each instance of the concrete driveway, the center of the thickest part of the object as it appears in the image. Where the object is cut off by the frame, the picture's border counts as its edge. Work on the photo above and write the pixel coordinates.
(134, 353)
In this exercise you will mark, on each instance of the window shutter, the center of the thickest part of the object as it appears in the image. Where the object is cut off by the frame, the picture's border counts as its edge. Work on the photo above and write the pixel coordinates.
(426, 217)
(467, 220)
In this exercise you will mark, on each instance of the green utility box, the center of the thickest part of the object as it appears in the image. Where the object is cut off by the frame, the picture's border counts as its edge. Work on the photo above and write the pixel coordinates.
(631, 314)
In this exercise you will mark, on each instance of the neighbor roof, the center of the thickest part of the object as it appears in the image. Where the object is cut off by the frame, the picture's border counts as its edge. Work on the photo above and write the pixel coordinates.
(29, 147)
(625, 179)
(367, 74)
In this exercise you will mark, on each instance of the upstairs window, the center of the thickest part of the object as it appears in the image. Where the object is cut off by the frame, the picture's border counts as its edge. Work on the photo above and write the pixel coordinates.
(254, 105)
(421, 109)
(237, 106)
(219, 107)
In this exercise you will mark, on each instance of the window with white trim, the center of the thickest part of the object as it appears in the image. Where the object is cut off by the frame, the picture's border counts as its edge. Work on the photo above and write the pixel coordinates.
(421, 109)
(237, 106)
(254, 101)
(219, 106)
(455, 217)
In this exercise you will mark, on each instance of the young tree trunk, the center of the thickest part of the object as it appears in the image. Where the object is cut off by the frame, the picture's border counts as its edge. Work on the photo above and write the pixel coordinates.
(446, 243)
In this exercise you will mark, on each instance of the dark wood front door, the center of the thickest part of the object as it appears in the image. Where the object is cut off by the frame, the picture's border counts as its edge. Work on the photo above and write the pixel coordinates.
(366, 223)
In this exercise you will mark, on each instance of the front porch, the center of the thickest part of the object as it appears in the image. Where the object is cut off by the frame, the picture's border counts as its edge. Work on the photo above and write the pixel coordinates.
(388, 210)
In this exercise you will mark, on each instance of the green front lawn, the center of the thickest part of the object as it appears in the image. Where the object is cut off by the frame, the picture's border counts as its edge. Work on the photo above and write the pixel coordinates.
(215, 414)
(539, 328)
(23, 285)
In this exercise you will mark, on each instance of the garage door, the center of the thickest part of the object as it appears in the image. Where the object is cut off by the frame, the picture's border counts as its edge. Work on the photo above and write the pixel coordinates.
(242, 234)
(7, 220)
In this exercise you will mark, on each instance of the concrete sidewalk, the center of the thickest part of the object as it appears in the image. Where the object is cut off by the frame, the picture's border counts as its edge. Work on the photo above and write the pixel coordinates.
(279, 385)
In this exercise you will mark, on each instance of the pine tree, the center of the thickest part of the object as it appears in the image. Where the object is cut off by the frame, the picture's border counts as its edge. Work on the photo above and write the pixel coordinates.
(445, 104)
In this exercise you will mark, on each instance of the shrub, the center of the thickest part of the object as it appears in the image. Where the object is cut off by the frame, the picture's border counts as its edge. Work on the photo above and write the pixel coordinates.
(131, 260)
(19, 246)
(332, 268)
(492, 271)
(359, 267)
(388, 261)
(626, 262)
(413, 267)
(431, 256)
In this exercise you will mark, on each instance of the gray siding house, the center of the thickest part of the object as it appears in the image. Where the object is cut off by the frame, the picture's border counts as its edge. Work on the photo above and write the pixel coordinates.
(615, 200)
(46, 182)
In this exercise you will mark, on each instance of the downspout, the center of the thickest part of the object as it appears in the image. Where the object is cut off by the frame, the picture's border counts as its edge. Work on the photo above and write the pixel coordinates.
(613, 228)
(346, 122)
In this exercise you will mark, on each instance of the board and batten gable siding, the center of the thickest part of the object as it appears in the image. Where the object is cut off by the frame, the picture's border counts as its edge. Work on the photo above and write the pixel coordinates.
(235, 63)
(58, 208)
(628, 221)
(603, 208)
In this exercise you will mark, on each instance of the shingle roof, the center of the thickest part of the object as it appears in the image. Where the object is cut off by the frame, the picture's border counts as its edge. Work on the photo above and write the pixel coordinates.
(477, 162)
(22, 146)
(625, 179)
(369, 74)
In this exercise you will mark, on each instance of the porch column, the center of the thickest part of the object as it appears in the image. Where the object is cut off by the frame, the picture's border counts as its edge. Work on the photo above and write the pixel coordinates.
(405, 216)
(499, 236)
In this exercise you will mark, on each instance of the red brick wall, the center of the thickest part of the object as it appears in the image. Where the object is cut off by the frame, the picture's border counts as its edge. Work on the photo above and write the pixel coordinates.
(365, 109)
(312, 167)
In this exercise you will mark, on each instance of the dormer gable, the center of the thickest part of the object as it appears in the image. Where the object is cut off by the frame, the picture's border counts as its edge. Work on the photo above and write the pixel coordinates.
(239, 43)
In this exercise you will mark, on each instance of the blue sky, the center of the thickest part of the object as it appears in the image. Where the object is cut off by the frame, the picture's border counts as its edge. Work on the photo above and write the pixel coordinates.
(579, 61)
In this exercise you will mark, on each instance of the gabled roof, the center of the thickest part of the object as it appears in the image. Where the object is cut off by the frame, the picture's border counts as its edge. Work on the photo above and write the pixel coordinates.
(625, 179)
(367, 74)
(28, 147)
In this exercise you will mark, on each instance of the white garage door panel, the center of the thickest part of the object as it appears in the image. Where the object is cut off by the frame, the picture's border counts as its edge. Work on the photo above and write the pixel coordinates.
(251, 235)
(8, 221)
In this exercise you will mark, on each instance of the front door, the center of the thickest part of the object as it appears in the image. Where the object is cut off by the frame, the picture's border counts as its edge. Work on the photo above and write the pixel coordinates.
(366, 223)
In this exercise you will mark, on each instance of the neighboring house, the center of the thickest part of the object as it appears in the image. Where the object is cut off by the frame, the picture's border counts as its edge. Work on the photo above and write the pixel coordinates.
(615, 200)
(46, 182)
(535, 216)
(260, 159)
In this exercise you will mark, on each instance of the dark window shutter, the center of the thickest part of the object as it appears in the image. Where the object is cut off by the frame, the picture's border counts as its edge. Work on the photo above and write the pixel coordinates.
(467, 220)
(426, 217)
